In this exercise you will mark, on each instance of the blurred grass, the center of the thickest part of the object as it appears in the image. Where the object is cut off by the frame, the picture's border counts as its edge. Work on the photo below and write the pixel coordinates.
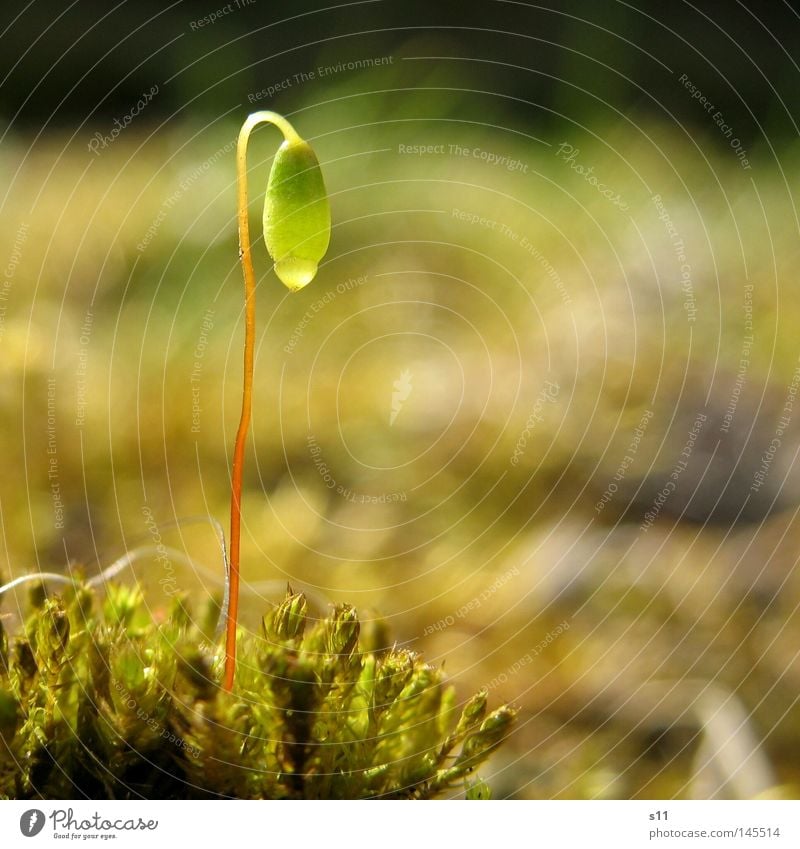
(480, 324)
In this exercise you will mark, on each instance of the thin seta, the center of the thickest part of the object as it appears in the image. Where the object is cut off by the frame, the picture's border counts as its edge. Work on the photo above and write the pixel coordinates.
(297, 231)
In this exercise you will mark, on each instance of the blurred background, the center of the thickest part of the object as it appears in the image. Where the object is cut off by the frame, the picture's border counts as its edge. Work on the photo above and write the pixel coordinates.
(539, 409)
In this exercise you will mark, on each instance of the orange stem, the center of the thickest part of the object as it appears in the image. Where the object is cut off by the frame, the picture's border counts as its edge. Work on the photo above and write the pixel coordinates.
(247, 387)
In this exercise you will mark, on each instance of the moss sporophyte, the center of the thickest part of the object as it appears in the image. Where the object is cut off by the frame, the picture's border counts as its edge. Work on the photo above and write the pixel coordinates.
(297, 231)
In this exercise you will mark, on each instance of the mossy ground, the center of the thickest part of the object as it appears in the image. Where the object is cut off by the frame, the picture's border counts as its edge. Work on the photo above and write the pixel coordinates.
(100, 701)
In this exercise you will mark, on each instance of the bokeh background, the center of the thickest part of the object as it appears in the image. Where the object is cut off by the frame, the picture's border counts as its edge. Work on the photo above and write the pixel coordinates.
(539, 408)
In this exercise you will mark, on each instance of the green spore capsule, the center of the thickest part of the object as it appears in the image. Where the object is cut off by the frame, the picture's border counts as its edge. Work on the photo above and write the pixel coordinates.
(297, 215)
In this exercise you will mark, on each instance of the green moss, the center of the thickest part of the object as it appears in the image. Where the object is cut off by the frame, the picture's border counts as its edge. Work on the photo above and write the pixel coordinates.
(108, 704)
